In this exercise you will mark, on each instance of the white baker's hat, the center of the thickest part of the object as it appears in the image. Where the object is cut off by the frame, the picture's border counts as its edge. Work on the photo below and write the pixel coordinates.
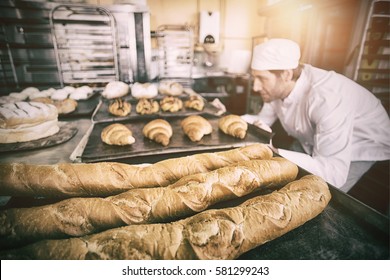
(276, 54)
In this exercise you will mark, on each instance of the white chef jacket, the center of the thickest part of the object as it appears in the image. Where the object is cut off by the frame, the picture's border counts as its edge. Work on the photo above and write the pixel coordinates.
(335, 120)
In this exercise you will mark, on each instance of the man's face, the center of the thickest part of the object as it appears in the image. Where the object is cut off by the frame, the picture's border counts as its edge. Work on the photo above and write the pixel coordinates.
(269, 85)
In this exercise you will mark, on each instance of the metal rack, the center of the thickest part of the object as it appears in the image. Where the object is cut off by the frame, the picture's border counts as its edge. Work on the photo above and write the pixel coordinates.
(85, 44)
(176, 52)
(373, 62)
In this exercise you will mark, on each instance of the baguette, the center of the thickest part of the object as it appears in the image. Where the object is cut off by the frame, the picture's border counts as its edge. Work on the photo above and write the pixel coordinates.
(193, 193)
(109, 178)
(223, 233)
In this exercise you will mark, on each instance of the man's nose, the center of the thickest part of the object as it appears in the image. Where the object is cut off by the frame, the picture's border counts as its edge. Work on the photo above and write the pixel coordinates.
(256, 85)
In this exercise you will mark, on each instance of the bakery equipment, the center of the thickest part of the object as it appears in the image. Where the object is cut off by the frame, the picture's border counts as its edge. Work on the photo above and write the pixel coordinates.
(176, 53)
(85, 43)
(27, 50)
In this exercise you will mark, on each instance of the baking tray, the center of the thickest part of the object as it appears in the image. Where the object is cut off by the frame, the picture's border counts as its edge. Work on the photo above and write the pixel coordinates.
(95, 150)
(102, 114)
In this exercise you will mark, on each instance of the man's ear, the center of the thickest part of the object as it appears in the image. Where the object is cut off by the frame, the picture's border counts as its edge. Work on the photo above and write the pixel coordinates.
(287, 75)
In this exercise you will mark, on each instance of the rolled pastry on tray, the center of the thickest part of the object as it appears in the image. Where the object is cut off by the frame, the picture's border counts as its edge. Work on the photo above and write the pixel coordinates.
(190, 194)
(109, 178)
(214, 234)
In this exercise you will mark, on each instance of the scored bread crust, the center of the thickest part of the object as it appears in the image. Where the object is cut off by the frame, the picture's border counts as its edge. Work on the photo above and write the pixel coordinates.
(25, 114)
(109, 178)
(192, 193)
(215, 234)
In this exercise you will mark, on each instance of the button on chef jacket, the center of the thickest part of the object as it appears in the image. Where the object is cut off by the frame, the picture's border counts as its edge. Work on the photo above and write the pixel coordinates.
(335, 120)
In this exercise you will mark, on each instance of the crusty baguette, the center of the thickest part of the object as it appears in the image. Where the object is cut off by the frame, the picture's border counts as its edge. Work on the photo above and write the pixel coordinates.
(192, 193)
(109, 178)
(213, 234)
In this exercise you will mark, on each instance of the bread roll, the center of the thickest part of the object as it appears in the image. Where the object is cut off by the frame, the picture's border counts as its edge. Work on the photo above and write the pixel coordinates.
(109, 178)
(120, 108)
(147, 106)
(115, 89)
(171, 88)
(117, 134)
(195, 127)
(158, 130)
(146, 90)
(192, 193)
(233, 125)
(171, 104)
(218, 234)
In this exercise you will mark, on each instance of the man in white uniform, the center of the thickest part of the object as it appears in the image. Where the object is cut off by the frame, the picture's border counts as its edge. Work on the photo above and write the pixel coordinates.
(342, 128)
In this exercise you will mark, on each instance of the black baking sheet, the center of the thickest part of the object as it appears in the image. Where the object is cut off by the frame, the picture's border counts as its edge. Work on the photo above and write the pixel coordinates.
(102, 114)
(96, 150)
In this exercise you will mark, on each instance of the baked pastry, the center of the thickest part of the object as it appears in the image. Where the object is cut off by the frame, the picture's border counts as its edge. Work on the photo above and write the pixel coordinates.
(213, 234)
(115, 89)
(195, 102)
(146, 90)
(171, 88)
(117, 134)
(190, 194)
(109, 178)
(66, 106)
(120, 108)
(171, 104)
(233, 125)
(147, 106)
(26, 121)
(158, 130)
(195, 127)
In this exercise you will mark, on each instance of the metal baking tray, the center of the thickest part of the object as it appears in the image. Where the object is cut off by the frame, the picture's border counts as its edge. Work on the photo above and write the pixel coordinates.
(102, 114)
(95, 150)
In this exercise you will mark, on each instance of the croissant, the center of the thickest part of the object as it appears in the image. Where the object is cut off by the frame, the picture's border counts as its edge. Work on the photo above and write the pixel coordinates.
(147, 106)
(195, 102)
(117, 134)
(195, 127)
(119, 108)
(233, 125)
(158, 130)
(171, 104)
